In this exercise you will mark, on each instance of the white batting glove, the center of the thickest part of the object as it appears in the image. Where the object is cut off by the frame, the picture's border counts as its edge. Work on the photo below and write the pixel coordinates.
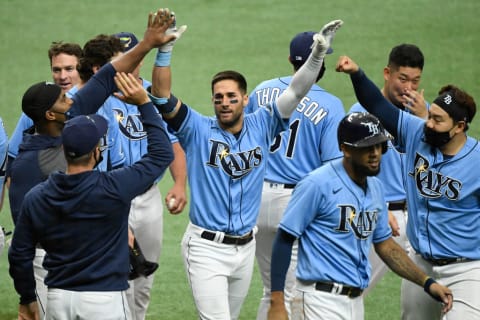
(177, 32)
(323, 39)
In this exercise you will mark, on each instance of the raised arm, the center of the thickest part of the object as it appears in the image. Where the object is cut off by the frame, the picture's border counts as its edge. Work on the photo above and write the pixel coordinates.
(306, 76)
(154, 37)
(161, 94)
(368, 94)
(91, 96)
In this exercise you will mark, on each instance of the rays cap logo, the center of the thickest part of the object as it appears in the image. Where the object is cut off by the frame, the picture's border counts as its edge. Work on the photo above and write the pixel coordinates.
(362, 129)
(128, 40)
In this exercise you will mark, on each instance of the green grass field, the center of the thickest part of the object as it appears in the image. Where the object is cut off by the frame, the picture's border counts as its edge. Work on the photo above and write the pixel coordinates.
(250, 36)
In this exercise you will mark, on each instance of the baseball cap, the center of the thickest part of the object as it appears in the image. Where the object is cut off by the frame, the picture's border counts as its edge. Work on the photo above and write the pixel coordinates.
(82, 133)
(39, 98)
(300, 47)
(361, 129)
(128, 40)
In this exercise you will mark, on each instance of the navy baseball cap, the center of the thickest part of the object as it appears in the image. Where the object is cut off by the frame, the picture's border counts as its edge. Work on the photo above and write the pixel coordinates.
(300, 47)
(82, 133)
(39, 98)
(127, 39)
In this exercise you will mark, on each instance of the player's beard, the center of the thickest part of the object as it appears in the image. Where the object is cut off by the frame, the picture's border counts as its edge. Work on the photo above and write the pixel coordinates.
(229, 123)
(363, 170)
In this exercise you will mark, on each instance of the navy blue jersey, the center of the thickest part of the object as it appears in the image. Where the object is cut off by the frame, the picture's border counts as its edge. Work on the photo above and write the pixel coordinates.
(81, 220)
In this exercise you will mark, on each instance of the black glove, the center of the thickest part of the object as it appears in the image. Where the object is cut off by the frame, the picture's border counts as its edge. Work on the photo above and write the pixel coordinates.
(139, 266)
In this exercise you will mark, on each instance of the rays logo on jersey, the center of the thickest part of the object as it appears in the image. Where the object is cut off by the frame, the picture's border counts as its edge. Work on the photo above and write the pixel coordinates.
(433, 184)
(130, 126)
(236, 165)
(361, 223)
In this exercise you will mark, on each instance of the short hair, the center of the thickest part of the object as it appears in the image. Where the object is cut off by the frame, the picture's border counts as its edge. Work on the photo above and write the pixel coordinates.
(463, 100)
(72, 49)
(231, 75)
(406, 55)
(98, 52)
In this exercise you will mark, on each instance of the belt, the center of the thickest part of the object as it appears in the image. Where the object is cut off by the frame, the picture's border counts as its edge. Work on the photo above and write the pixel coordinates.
(397, 205)
(229, 239)
(336, 288)
(281, 185)
(445, 261)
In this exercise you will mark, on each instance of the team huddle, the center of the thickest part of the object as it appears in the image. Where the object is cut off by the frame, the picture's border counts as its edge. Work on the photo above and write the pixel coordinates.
(325, 201)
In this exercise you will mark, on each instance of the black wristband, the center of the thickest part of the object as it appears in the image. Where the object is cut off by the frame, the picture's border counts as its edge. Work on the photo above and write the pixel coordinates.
(426, 286)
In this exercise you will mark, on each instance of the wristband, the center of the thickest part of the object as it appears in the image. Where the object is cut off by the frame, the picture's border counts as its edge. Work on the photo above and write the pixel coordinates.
(162, 59)
(168, 106)
(156, 100)
(428, 282)
(426, 286)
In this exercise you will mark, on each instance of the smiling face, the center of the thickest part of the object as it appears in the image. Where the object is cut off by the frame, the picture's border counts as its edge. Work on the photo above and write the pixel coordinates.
(229, 102)
(362, 162)
(64, 71)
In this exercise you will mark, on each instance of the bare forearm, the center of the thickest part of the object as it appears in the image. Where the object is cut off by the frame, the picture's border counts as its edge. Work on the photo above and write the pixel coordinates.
(178, 167)
(398, 261)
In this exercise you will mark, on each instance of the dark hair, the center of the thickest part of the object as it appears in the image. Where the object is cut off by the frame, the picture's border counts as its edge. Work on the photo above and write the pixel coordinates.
(231, 75)
(98, 52)
(463, 100)
(406, 55)
(59, 47)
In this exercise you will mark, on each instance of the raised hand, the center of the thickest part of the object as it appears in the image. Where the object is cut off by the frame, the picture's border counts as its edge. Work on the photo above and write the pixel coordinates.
(156, 33)
(132, 91)
(173, 30)
(323, 39)
(346, 65)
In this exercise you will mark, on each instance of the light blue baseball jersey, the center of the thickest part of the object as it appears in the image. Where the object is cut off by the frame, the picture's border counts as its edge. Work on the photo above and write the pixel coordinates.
(336, 222)
(311, 137)
(132, 134)
(226, 173)
(24, 123)
(3, 154)
(116, 155)
(443, 195)
(391, 168)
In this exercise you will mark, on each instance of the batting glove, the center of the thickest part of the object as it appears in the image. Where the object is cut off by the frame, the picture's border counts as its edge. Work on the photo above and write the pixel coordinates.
(323, 39)
(177, 32)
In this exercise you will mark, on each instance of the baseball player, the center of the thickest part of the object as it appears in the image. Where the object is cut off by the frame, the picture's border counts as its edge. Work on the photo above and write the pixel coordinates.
(337, 212)
(402, 77)
(64, 59)
(308, 143)
(442, 193)
(226, 162)
(87, 100)
(85, 240)
(3, 165)
(146, 211)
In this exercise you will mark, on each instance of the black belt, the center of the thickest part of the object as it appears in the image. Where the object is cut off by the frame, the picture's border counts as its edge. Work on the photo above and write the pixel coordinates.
(397, 205)
(351, 292)
(445, 261)
(282, 185)
(229, 239)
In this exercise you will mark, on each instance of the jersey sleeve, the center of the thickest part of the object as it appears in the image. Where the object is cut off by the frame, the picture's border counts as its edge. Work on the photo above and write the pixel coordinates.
(24, 122)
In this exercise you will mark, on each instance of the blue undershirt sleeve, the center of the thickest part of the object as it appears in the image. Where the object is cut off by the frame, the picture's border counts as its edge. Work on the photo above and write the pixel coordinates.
(281, 255)
(372, 99)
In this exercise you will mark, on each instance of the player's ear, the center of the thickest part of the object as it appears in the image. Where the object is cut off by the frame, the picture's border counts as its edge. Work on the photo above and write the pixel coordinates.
(245, 99)
(346, 150)
(386, 73)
